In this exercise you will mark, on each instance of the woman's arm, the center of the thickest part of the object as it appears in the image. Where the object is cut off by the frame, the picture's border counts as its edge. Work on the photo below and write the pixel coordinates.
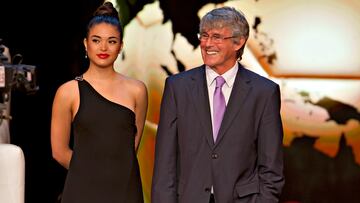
(61, 124)
(141, 106)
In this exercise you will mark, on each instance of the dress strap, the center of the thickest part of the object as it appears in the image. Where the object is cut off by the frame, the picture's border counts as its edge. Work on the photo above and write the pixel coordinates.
(79, 78)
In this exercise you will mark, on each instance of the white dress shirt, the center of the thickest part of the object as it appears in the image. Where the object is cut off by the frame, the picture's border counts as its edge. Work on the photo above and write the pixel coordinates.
(229, 77)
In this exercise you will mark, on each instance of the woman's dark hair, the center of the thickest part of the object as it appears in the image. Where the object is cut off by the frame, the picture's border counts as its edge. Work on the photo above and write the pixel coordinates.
(106, 13)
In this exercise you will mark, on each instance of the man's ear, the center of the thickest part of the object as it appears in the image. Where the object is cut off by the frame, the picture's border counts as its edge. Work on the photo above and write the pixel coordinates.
(240, 44)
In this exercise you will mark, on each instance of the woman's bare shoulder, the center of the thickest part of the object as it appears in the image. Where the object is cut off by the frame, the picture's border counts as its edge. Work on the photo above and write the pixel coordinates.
(68, 89)
(135, 84)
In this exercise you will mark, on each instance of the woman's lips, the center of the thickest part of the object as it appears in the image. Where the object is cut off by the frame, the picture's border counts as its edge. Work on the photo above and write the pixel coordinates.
(103, 56)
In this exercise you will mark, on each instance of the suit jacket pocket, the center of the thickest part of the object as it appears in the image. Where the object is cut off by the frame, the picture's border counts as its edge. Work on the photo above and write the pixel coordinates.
(246, 189)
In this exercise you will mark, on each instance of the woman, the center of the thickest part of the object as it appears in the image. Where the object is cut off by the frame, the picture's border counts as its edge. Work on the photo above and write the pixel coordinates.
(105, 111)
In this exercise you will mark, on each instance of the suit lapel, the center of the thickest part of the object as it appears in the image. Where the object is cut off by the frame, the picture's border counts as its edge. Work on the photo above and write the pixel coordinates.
(237, 97)
(200, 97)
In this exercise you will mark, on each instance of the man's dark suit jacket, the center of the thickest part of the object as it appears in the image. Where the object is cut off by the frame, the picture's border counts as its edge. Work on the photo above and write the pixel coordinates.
(245, 164)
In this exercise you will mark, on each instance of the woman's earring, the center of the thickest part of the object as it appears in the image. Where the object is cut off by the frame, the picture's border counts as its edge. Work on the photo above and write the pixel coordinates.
(86, 54)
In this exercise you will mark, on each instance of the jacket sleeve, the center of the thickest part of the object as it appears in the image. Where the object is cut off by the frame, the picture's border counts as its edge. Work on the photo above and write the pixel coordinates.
(270, 150)
(164, 176)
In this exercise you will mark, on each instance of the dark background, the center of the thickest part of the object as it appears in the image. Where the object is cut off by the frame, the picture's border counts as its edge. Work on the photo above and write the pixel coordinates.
(48, 36)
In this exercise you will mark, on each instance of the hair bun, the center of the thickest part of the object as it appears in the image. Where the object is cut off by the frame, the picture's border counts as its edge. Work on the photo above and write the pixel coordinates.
(107, 9)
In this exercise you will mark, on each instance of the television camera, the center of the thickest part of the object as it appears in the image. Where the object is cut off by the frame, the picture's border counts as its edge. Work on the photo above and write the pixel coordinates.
(18, 77)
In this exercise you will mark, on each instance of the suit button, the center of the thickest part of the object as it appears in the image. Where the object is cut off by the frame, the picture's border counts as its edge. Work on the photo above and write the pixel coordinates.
(214, 156)
(207, 189)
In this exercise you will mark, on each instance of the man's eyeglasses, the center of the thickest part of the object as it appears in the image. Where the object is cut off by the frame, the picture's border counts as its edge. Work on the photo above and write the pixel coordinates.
(203, 37)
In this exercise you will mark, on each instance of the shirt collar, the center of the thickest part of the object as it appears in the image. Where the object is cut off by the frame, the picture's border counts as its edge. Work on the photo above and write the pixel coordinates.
(229, 75)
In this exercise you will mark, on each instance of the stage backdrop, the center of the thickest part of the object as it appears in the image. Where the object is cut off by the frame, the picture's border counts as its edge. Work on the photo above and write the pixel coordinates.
(310, 48)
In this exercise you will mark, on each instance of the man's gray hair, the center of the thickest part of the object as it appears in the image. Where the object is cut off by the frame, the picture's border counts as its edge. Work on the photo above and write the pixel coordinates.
(227, 17)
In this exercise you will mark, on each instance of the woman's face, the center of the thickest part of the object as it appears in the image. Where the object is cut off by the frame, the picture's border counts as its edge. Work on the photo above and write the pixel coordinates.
(103, 45)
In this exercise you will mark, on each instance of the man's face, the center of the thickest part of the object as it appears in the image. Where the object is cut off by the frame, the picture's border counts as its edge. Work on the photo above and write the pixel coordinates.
(218, 49)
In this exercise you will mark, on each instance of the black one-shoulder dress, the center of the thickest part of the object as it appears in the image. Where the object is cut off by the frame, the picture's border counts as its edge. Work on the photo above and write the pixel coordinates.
(104, 167)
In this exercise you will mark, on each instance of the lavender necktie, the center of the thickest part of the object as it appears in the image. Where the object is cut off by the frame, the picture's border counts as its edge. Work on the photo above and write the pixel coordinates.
(219, 105)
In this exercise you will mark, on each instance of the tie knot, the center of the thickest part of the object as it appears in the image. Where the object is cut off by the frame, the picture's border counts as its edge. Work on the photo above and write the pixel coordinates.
(220, 81)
